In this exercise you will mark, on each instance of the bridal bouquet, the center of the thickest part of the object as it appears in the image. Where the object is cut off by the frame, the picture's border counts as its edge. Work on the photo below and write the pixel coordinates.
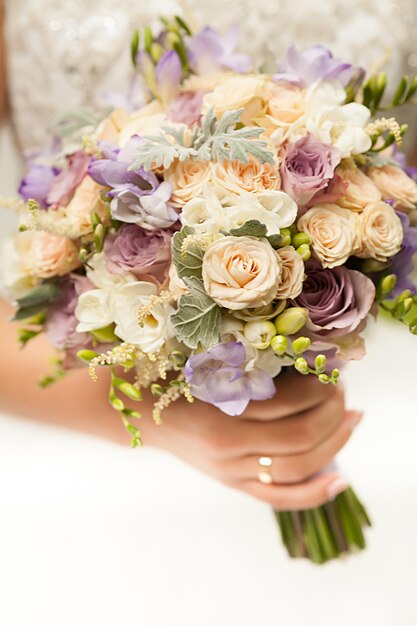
(217, 227)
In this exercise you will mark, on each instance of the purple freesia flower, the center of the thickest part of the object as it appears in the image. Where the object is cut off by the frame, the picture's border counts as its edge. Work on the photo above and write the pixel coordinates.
(218, 377)
(61, 322)
(402, 264)
(307, 167)
(315, 63)
(186, 108)
(141, 252)
(337, 300)
(401, 159)
(168, 75)
(209, 52)
(137, 196)
(37, 183)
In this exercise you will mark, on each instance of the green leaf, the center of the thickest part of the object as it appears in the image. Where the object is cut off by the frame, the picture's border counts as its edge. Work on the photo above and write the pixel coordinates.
(183, 24)
(134, 46)
(25, 313)
(197, 321)
(275, 240)
(47, 292)
(400, 91)
(251, 228)
(190, 263)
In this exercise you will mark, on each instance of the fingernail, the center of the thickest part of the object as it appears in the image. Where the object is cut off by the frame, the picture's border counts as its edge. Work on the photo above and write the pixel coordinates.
(338, 485)
(353, 419)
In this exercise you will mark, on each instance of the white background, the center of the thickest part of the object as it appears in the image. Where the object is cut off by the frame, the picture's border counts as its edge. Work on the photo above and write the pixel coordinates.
(92, 533)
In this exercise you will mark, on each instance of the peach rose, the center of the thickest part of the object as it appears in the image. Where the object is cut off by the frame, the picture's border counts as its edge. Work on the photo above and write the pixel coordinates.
(176, 284)
(236, 177)
(206, 82)
(109, 129)
(51, 255)
(394, 184)
(285, 110)
(360, 191)
(241, 272)
(86, 199)
(239, 92)
(292, 274)
(188, 179)
(146, 121)
(333, 231)
(380, 232)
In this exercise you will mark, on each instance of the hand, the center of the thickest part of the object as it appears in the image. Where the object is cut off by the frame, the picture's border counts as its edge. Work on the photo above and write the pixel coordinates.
(302, 428)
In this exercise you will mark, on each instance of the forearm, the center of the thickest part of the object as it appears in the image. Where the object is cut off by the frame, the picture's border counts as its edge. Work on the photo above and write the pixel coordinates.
(3, 90)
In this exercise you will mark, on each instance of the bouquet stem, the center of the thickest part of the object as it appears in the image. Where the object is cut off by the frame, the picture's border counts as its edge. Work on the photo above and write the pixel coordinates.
(328, 532)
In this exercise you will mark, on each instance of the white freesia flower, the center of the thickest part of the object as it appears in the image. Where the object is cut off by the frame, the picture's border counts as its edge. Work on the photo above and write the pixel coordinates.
(94, 310)
(100, 276)
(330, 121)
(155, 330)
(15, 276)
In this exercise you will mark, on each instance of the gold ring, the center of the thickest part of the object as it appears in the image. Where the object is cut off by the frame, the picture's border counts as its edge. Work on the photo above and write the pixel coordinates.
(264, 474)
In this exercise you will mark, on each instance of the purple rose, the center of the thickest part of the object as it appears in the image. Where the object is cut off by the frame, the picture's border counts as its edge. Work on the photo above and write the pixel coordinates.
(402, 264)
(137, 196)
(138, 251)
(61, 322)
(64, 185)
(315, 63)
(307, 167)
(186, 108)
(337, 300)
(37, 183)
(210, 52)
(218, 377)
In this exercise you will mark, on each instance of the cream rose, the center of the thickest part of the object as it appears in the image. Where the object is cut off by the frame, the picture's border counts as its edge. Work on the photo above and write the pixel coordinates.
(51, 255)
(187, 179)
(206, 82)
(85, 200)
(146, 121)
(109, 129)
(241, 272)
(394, 184)
(239, 92)
(176, 285)
(380, 232)
(333, 231)
(285, 111)
(292, 274)
(236, 176)
(360, 191)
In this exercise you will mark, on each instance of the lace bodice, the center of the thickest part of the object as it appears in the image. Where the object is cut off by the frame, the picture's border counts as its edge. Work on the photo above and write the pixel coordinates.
(64, 54)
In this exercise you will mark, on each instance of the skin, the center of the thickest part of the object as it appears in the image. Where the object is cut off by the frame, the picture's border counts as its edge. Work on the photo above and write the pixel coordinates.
(301, 429)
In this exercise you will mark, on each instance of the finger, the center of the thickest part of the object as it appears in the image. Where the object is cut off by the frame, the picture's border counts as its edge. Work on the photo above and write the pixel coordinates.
(298, 467)
(306, 495)
(290, 398)
(292, 435)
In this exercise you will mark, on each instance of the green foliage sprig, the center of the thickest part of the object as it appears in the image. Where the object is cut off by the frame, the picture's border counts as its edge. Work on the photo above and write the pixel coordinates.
(375, 87)
(402, 308)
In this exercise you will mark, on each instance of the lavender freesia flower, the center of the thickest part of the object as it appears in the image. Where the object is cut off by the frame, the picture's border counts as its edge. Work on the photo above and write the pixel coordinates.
(138, 251)
(209, 52)
(37, 183)
(168, 75)
(402, 264)
(137, 196)
(61, 321)
(337, 300)
(307, 168)
(218, 377)
(315, 63)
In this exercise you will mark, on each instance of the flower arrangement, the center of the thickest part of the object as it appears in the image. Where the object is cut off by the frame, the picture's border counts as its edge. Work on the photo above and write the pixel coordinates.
(222, 226)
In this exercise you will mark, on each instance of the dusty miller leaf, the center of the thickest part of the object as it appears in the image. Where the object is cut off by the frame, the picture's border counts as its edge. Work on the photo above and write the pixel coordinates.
(158, 151)
(190, 263)
(251, 228)
(197, 321)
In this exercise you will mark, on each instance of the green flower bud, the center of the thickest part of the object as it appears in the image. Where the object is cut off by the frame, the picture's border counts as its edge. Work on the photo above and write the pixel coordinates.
(324, 379)
(279, 344)
(156, 51)
(301, 366)
(291, 321)
(116, 403)
(300, 239)
(387, 284)
(259, 334)
(86, 355)
(130, 391)
(148, 38)
(404, 295)
(320, 363)
(104, 335)
(173, 38)
(23, 228)
(178, 358)
(83, 256)
(286, 237)
(304, 252)
(300, 345)
(413, 329)
(157, 390)
(99, 237)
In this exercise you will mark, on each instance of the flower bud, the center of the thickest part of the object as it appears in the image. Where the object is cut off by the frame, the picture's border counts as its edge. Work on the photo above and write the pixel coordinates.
(83, 255)
(99, 237)
(304, 251)
(324, 379)
(335, 376)
(291, 321)
(105, 335)
(157, 390)
(279, 344)
(259, 334)
(86, 355)
(178, 358)
(387, 284)
(300, 239)
(301, 344)
(320, 363)
(130, 390)
(156, 51)
(286, 237)
(301, 366)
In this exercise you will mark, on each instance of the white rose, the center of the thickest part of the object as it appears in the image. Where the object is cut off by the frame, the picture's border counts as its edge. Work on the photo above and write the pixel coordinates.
(207, 214)
(342, 125)
(100, 276)
(380, 232)
(15, 275)
(94, 310)
(156, 328)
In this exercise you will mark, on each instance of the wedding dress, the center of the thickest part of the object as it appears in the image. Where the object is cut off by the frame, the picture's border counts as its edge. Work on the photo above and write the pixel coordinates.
(94, 534)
